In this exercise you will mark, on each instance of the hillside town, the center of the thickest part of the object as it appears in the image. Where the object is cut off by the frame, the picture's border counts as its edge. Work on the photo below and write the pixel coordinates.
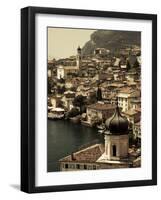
(90, 90)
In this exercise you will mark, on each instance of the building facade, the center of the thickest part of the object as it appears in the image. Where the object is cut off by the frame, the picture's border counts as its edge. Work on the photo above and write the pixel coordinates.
(125, 96)
(100, 111)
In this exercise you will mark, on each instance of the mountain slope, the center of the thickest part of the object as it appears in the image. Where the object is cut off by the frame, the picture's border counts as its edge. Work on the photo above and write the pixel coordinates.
(112, 40)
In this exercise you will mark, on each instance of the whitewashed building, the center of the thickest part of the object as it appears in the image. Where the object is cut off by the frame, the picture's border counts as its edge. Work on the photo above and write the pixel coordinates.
(125, 96)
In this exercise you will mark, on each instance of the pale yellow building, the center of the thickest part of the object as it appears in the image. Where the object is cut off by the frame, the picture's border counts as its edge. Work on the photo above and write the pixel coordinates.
(125, 96)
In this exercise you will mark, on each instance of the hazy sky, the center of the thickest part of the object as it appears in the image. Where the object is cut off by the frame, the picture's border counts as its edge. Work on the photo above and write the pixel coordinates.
(63, 42)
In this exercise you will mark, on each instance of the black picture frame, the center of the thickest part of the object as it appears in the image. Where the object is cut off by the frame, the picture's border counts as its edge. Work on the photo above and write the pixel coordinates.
(28, 98)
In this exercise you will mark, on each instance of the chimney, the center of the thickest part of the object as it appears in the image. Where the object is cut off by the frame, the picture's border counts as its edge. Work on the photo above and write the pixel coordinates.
(73, 156)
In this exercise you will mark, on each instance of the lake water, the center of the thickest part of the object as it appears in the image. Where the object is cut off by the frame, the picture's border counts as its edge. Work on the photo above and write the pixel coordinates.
(65, 137)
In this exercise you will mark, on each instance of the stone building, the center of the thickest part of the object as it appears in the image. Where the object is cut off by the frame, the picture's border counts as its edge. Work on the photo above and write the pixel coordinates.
(135, 104)
(137, 131)
(67, 71)
(55, 101)
(67, 99)
(100, 110)
(51, 65)
(101, 51)
(125, 96)
(133, 116)
(84, 159)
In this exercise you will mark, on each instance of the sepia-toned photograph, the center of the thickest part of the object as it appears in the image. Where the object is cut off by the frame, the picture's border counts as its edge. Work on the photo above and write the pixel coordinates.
(88, 99)
(93, 99)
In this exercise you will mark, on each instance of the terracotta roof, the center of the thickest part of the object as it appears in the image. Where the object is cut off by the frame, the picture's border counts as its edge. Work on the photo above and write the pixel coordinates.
(101, 106)
(111, 96)
(138, 100)
(127, 90)
(71, 67)
(70, 95)
(135, 94)
(55, 97)
(131, 92)
(51, 61)
(116, 85)
(131, 112)
(138, 109)
(89, 154)
(137, 124)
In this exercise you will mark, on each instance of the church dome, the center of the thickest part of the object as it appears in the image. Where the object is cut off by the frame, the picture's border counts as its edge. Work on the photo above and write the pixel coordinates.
(117, 124)
(107, 122)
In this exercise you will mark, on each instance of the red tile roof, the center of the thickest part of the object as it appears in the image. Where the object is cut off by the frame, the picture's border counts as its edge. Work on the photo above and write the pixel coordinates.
(89, 154)
(101, 106)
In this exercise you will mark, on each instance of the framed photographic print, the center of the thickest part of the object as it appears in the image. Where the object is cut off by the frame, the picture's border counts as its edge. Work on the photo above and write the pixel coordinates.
(88, 99)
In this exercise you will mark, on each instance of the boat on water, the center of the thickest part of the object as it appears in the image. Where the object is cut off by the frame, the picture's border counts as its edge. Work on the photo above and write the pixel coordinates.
(101, 127)
(56, 113)
(76, 119)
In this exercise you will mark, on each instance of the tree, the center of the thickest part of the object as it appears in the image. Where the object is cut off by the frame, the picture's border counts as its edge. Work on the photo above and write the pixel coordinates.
(136, 64)
(60, 89)
(59, 104)
(50, 85)
(99, 94)
(92, 98)
(132, 139)
(72, 113)
(79, 101)
(61, 80)
(95, 120)
(128, 65)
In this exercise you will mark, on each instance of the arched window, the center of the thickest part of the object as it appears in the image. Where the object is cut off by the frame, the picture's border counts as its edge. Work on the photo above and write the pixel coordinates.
(114, 150)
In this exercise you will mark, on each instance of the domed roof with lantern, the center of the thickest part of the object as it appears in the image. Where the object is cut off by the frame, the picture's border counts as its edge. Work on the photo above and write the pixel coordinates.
(117, 124)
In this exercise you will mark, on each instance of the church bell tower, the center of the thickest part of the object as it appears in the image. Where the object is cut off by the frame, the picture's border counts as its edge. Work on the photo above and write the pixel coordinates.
(116, 136)
(79, 57)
